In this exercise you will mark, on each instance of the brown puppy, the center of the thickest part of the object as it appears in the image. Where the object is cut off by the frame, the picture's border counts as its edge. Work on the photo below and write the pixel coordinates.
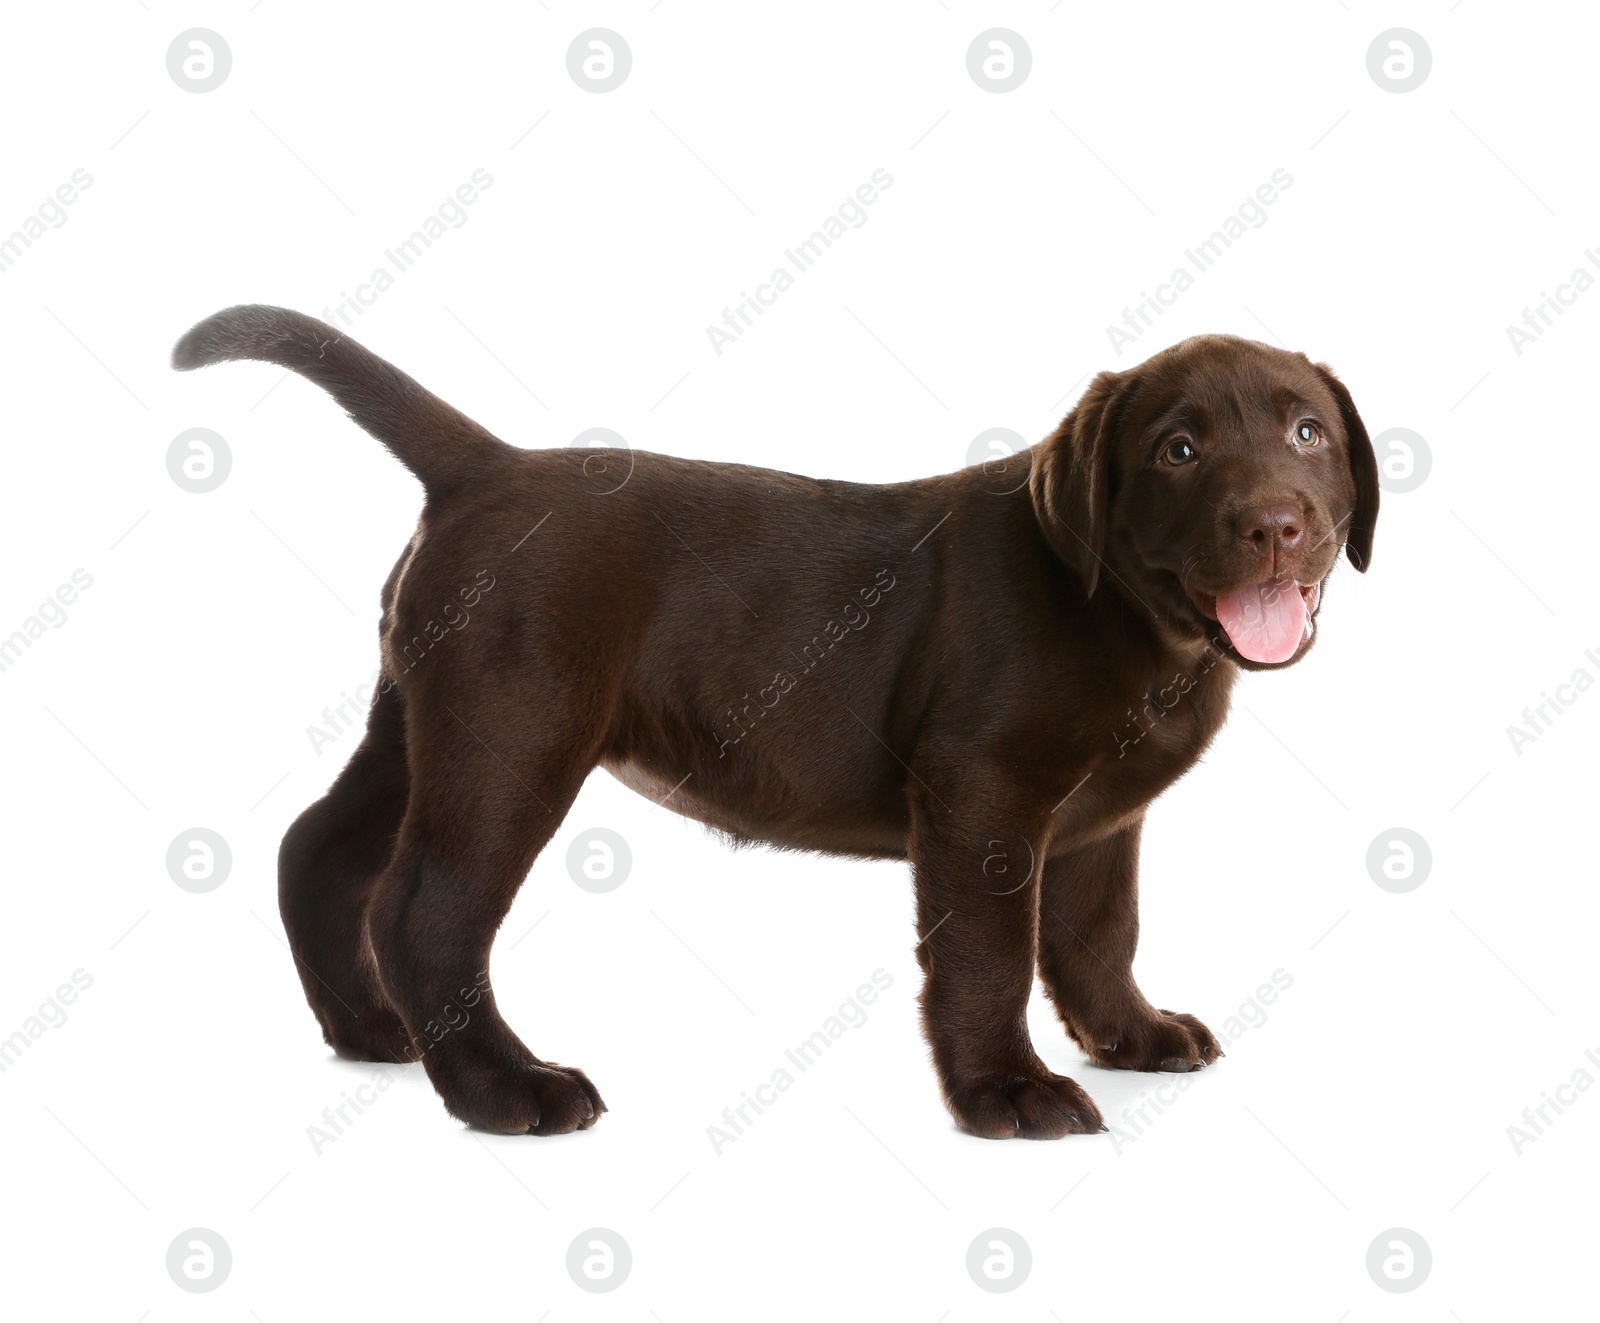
(989, 673)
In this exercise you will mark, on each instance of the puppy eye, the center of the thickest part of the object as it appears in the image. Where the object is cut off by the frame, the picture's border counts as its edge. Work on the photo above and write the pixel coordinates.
(1180, 451)
(1307, 433)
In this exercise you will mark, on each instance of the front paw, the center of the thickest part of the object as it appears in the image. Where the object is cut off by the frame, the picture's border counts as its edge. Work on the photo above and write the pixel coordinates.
(516, 1097)
(1035, 1105)
(1159, 1040)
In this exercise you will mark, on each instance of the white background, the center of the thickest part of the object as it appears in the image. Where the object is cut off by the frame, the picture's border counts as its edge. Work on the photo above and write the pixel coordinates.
(178, 692)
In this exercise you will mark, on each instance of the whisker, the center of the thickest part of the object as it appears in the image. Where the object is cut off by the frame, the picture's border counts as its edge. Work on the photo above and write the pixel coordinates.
(1191, 562)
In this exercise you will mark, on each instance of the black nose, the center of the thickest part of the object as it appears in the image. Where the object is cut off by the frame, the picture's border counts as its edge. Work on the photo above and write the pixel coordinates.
(1264, 527)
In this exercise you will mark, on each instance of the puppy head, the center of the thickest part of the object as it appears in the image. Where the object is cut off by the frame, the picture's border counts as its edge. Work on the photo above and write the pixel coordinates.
(1213, 484)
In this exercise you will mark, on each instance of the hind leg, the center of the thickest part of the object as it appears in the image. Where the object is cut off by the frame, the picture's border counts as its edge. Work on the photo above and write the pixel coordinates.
(486, 796)
(329, 863)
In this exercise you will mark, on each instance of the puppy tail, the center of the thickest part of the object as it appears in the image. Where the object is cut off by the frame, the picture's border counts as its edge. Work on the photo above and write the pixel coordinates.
(442, 447)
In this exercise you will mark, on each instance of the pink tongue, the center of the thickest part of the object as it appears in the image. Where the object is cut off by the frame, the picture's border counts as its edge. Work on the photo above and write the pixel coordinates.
(1265, 621)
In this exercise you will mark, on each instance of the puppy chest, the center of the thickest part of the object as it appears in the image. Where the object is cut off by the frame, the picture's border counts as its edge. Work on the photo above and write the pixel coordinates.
(1162, 730)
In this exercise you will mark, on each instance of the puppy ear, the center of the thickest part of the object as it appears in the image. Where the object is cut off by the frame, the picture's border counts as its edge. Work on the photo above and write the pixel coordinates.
(1363, 468)
(1071, 478)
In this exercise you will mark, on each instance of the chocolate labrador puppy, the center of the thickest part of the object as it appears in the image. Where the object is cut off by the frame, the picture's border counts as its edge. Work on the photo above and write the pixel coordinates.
(990, 674)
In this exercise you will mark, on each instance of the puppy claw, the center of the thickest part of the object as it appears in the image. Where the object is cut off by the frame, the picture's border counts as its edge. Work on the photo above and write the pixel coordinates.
(523, 1098)
(1033, 1106)
(1162, 1041)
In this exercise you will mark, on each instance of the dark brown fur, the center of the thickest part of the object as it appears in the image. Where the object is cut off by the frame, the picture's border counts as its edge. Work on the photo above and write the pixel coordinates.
(990, 674)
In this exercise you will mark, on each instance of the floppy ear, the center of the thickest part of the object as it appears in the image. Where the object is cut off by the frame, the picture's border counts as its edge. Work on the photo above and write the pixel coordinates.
(1363, 468)
(1071, 477)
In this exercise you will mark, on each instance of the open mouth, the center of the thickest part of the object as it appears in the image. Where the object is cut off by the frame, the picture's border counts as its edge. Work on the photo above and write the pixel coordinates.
(1265, 622)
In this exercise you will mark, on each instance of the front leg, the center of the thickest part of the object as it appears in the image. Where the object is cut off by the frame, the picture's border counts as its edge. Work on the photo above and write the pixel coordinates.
(1088, 930)
(977, 881)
